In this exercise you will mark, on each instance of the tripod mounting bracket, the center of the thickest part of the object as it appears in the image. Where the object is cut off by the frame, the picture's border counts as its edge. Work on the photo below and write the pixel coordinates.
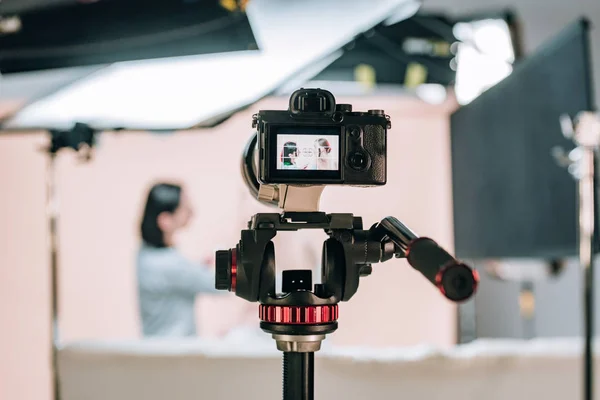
(249, 268)
(584, 131)
(292, 198)
(80, 138)
(587, 130)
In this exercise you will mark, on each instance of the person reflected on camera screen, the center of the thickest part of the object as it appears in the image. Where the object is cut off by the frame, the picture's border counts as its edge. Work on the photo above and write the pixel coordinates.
(168, 283)
(289, 155)
(323, 154)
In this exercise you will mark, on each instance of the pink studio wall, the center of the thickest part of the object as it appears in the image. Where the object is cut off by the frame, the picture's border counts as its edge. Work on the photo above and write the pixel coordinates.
(7, 107)
(100, 204)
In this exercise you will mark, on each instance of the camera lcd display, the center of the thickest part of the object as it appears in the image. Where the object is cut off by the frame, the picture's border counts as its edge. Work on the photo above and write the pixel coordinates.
(305, 153)
(308, 152)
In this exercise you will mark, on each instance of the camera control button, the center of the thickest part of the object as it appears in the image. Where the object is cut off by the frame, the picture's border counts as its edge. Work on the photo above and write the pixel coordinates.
(354, 132)
(376, 112)
(358, 160)
(337, 117)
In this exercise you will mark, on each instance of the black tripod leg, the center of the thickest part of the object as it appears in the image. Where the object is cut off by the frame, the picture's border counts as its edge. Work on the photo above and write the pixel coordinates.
(589, 334)
(298, 376)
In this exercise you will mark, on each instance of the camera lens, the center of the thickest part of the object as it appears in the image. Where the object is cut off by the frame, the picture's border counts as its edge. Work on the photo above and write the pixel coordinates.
(359, 160)
(354, 132)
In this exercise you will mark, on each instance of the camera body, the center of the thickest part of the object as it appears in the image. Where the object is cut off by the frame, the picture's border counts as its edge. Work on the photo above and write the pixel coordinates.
(318, 142)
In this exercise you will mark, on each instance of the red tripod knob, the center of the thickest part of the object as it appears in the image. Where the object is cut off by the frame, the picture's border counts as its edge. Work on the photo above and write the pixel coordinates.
(298, 315)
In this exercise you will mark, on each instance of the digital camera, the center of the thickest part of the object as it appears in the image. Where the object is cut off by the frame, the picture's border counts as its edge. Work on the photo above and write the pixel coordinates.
(316, 141)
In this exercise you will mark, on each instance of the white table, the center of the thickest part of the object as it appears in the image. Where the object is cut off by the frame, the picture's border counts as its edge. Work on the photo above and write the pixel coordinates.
(250, 368)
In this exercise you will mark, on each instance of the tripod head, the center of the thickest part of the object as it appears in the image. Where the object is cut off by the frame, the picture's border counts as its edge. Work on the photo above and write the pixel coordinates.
(249, 269)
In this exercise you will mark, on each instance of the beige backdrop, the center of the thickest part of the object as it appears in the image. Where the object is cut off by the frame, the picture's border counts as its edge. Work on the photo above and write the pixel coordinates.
(100, 205)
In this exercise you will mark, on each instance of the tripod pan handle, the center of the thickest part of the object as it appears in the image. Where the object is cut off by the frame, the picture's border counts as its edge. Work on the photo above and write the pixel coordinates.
(455, 280)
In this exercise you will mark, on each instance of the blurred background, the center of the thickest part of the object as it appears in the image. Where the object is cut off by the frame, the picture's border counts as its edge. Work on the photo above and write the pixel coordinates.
(474, 89)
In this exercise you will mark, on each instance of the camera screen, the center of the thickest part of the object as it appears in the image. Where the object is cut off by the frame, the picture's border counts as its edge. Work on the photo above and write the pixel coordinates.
(308, 152)
(304, 154)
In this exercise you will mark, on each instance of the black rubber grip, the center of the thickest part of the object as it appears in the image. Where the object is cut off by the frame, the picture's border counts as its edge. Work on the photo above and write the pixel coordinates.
(223, 270)
(454, 279)
(427, 257)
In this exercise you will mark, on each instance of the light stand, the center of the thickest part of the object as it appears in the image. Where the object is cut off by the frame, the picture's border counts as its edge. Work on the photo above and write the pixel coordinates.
(52, 212)
(80, 139)
(582, 162)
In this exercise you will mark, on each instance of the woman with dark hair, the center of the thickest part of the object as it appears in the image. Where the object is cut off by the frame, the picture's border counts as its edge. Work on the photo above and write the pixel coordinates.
(167, 282)
(289, 155)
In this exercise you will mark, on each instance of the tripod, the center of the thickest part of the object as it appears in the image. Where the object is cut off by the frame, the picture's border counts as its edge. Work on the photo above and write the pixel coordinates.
(302, 315)
(81, 139)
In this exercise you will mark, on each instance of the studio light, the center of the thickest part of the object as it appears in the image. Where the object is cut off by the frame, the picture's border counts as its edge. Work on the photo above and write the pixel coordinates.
(37, 35)
(183, 92)
(484, 56)
(423, 54)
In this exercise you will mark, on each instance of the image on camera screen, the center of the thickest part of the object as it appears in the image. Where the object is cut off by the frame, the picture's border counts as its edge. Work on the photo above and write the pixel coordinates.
(308, 152)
